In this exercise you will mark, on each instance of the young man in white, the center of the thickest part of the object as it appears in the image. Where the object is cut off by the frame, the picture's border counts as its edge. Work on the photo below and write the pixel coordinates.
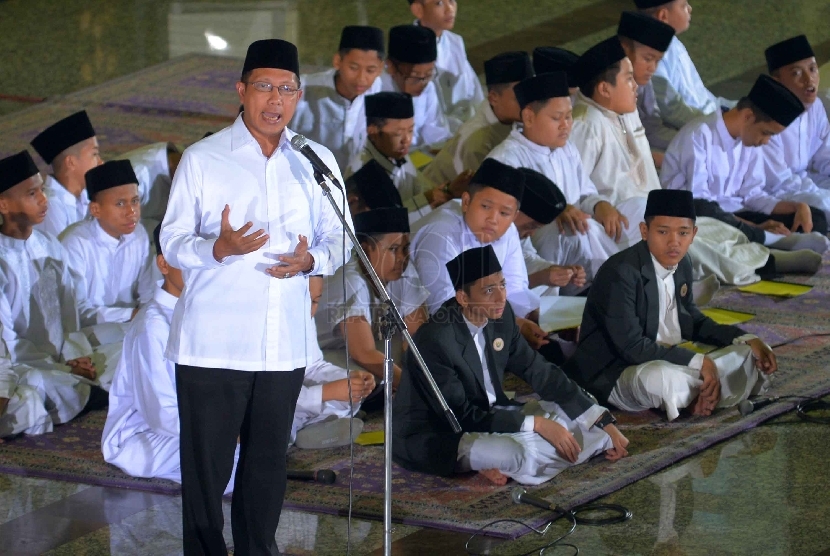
(410, 68)
(457, 82)
(493, 120)
(676, 94)
(797, 160)
(71, 148)
(331, 111)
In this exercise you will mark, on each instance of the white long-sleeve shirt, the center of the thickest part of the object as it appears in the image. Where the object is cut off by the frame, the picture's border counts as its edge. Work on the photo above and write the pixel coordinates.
(324, 116)
(152, 168)
(232, 315)
(143, 392)
(563, 166)
(614, 150)
(116, 274)
(468, 147)
(797, 160)
(457, 81)
(705, 159)
(431, 126)
(64, 208)
(678, 89)
(443, 235)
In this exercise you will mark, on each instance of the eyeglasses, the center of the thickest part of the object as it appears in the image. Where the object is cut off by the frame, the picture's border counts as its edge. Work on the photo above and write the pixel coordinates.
(414, 79)
(285, 91)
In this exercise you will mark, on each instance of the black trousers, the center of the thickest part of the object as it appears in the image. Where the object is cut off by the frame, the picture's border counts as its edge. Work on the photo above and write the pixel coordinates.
(819, 219)
(713, 210)
(215, 407)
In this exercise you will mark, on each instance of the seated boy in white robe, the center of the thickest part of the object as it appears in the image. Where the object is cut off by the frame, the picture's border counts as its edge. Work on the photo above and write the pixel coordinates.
(641, 308)
(493, 120)
(718, 159)
(676, 94)
(390, 123)
(154, 166)
(458, 85)
(40, 301)
(71, 148)
(331, 108)
(797, 160)
(468, 346)
(384, 235)
(410, 68)
(111, 251)
(141, 433)
(324, 414)
(542, 145)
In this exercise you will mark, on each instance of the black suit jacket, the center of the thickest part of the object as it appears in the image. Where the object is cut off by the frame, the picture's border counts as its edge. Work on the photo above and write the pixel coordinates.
(423, 440)
(619, 325)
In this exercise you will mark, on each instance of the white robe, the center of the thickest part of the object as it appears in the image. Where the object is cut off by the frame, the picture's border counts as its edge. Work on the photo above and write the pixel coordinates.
(408, 180)
(39, 306)
(141, 433)
(152, 168)
(443, 235)
(431, 126)
(64, 208)
(459, 87)
(116, 274)
(468, 147)
(324, 116)
(25, 412)
(563, 167)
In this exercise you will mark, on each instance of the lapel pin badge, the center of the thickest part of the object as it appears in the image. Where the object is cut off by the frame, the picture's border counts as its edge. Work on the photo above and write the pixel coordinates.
(498, 344)
(684, 290)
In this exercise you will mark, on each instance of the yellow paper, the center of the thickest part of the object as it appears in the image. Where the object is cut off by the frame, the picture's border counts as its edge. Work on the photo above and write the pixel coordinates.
(419, 159)
(778, 289)
(725, 316)
(370, 438)
(697, 347)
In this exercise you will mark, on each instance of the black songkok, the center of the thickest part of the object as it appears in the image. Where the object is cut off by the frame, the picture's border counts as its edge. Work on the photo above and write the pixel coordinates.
(646, 30)
(15, 169)
(473, 264)
(110, 174)
(775, 100)
(389, 220)
(547, 59)
(374, 186)
(788, 52)
(508, 67)
(498, 175)
(157, 239)
(412, 44)
(389, 105)
(272, 53)
(544, 86)
(646, 4)
(670, 202)
(597, 59)
(362, 37)
(63, 134)
(543, 201)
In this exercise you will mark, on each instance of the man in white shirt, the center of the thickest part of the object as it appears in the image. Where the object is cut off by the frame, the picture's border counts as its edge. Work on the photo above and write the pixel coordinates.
(458, 85)
(542, 145)
(111, 251)
(469, 345)
(676, 94)
(240, 331)
(71, 148)
(331, 110)
(797, 160)
(493, 120)
(641, 308)
(717, 158)
(410, 68)
(141, 433)
(39, 302)
(154, 165)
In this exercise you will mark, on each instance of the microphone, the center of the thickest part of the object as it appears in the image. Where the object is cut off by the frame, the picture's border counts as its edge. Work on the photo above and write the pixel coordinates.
(300, 143)
(521, 496)
(325, 476)
(746, 407)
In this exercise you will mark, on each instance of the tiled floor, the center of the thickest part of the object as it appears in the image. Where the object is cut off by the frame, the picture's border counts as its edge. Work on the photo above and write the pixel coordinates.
(762, 493)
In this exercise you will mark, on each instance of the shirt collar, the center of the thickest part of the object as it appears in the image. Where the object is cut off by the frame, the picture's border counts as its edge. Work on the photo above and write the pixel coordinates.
(474, 330)
(661, 271)
(241, 136)
(165, 299)
(14, 244)
(103, 237)
(540, 150)
(725, 137)
(388, 164)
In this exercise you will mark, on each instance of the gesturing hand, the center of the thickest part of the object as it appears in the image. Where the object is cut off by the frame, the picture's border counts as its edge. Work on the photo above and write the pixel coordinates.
(566, 445)
(300, 261)
(235, 242)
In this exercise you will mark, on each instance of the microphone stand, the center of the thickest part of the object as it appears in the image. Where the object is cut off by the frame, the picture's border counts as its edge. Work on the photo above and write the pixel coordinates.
(390, 322)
